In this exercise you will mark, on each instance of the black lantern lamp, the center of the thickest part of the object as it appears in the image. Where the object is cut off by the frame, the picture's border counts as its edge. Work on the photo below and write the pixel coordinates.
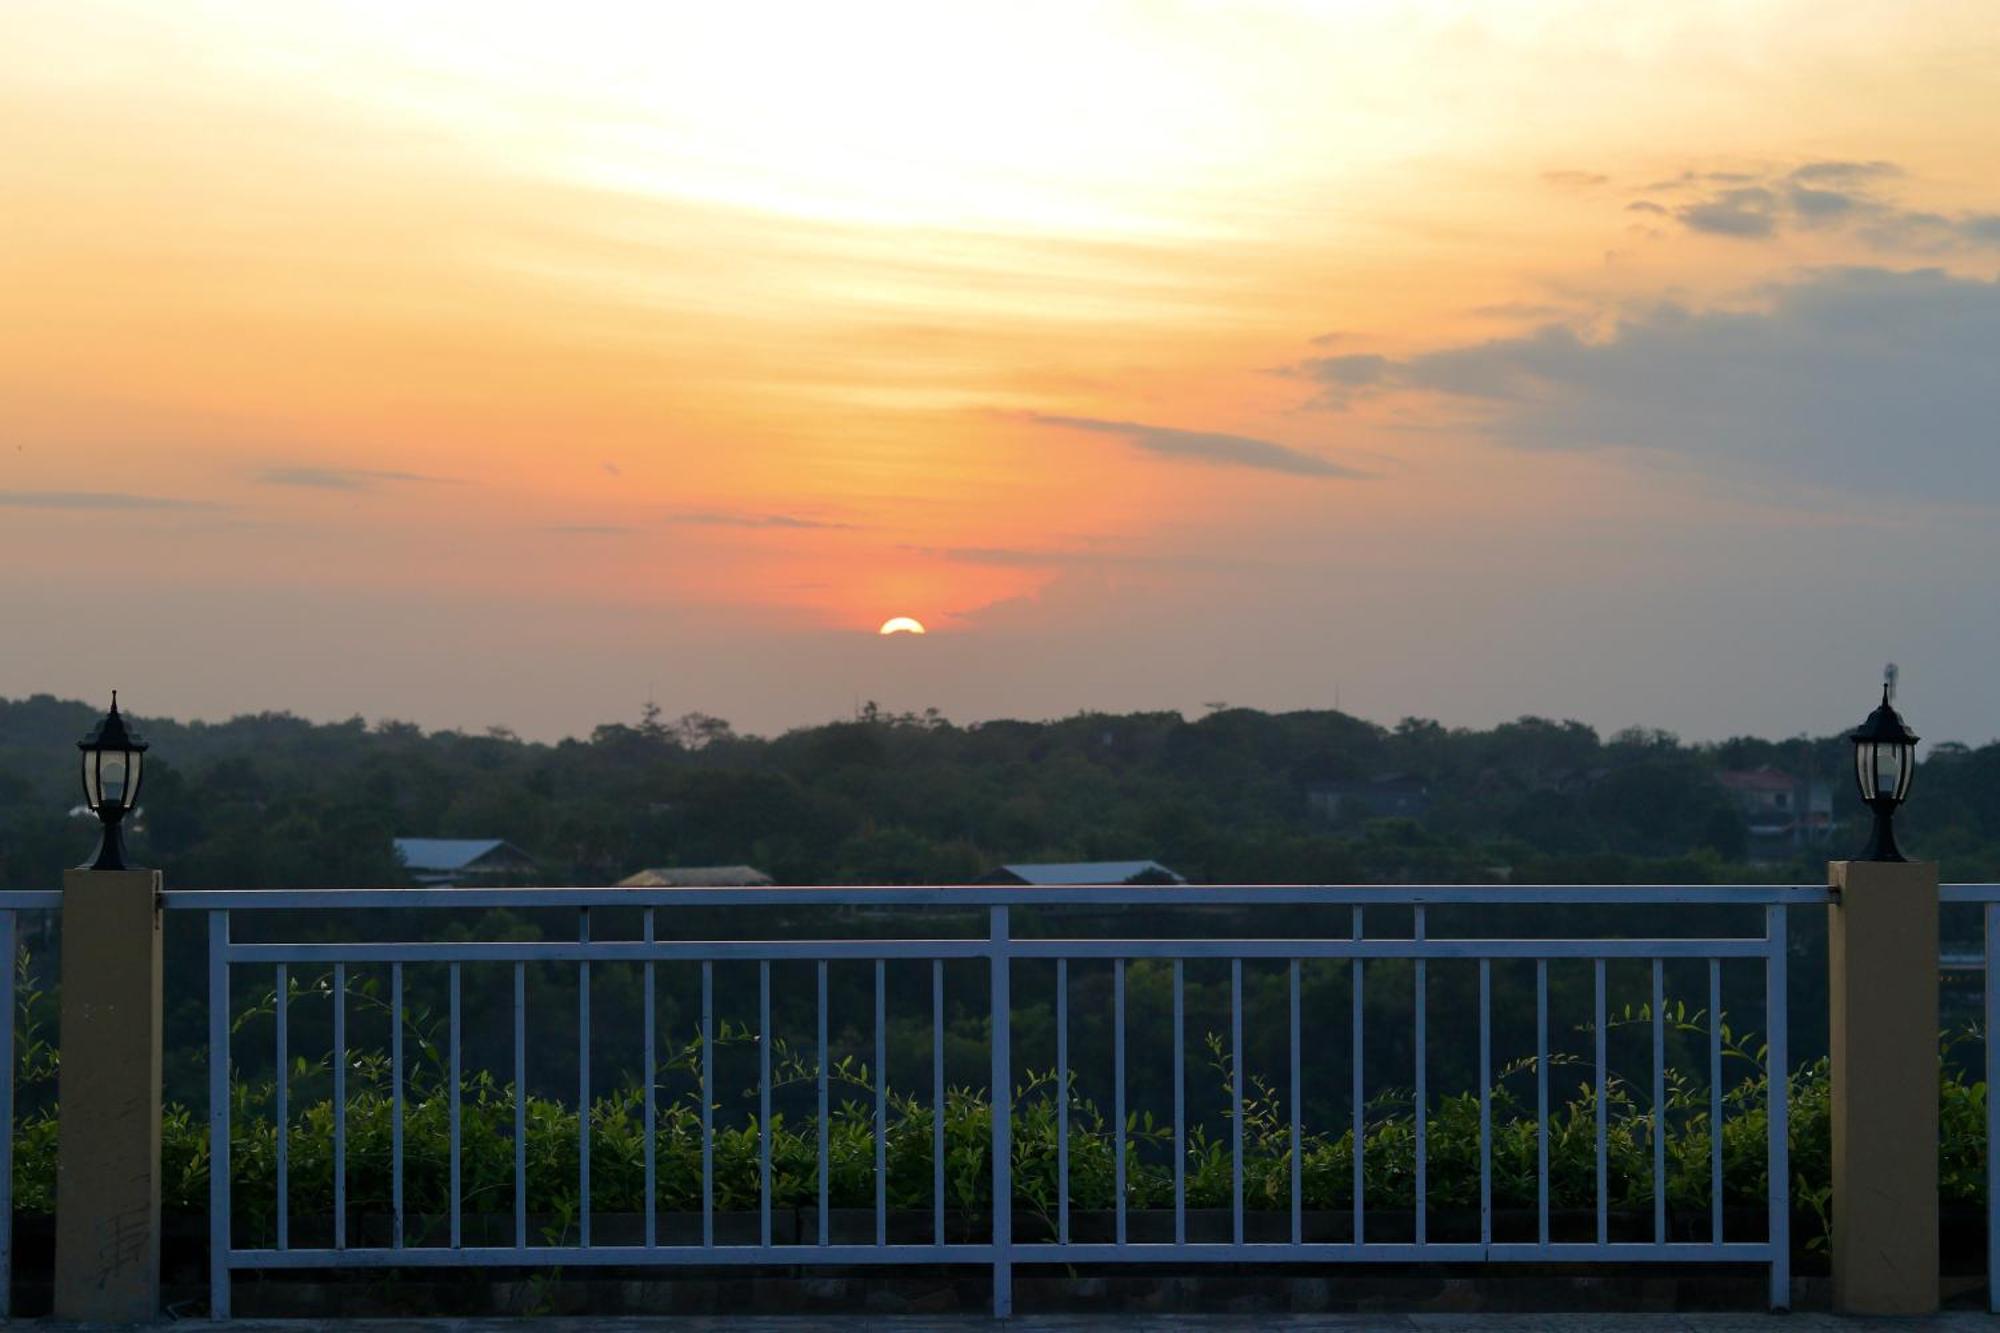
(1885, 759)
(113, 755)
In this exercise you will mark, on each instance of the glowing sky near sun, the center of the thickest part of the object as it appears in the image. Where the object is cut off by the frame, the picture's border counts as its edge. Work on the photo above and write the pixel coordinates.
(511, 363)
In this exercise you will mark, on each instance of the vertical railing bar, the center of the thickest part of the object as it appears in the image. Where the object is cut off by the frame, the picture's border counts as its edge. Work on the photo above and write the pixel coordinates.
(938, 1100)
(1236, 1092)
(1778, 1085)
(1180, 1103)
(1298, 1167)
(1715, 1100)
(1002, 1004)
(651, 1075)
(1486, 1101)
(707, 1102)
(396, 1100)
(1118, 1092)
(825, 1211)
(340, 1106)
(8, 960)
(1542, 1100)
(881, 1104)
(521, 1105)
(1603, 1145)
(457, 1093)
(282, 1110)
(764, 1102)
(1062, 1101)
(1359, 1113)
(219, 1230)
(1417, 931)
(1992, 981)
(583, 1083)
(1659, 1103)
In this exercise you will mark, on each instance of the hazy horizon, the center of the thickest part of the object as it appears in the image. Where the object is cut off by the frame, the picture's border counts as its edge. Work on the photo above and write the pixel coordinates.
(670, 712)
(472, 367)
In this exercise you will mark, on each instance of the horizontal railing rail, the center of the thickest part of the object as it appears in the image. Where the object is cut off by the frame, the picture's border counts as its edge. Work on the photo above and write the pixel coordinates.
(990, 895)
(1969, 893)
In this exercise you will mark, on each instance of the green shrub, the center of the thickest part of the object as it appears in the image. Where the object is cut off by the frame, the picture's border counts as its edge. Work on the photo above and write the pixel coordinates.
(1326, 1163)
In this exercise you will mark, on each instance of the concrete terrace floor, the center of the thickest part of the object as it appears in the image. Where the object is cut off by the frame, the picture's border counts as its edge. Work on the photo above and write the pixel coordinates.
(1958, 1321)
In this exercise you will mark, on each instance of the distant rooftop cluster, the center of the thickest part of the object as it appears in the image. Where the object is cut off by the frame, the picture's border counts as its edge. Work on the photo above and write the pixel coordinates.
(476, 862)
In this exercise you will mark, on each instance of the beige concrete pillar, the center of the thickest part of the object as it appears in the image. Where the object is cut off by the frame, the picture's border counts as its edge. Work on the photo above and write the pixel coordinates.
(108, 1140)
(1882, 942)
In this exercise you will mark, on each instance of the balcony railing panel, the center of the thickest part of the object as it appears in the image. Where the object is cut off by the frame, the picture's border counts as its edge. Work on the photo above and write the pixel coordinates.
(1396, 942)
(1987, 898)
(37, 906)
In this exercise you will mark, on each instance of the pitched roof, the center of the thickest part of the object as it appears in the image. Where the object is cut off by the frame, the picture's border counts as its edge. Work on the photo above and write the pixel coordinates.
(1086, 872)
(441, 854)
(685, 877)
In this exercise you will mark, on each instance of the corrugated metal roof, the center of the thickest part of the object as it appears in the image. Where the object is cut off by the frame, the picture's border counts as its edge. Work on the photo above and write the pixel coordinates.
(684, 877)
(1086, 872)
(444, 853)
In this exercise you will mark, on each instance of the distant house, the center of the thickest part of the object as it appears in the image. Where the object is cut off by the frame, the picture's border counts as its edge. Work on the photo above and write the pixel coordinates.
(457, 862)
(1387, 796)
(1781, 813)
(692, 877)
(1048, 874)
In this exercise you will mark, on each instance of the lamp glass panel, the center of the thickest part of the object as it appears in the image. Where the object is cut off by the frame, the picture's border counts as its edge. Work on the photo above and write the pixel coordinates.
(93, 795)
(1864, 770)
(114, 775)
(1888, 769)
(1906, 770)
(135, 768)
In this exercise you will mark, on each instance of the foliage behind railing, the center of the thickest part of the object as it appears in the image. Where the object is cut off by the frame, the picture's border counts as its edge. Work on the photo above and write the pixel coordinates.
(617, 1142)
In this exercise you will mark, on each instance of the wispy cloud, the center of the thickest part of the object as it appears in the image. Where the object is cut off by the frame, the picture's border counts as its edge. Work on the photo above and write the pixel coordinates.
(1845, 173)
(1817, 196)
(1031, 557)
(343, 478)
(1011, 557)
(732, 518)
(1574, 179)
(1749, 211)
(1211, 447)
(97, 500)
(1689, 180)
(588, 529)
(1868, 380)
(1518, 310)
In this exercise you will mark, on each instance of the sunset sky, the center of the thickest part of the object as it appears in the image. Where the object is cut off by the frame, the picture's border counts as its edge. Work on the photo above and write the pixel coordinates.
(495, 363)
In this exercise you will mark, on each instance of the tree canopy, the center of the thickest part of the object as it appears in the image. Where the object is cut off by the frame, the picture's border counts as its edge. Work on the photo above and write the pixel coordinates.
(272, 800)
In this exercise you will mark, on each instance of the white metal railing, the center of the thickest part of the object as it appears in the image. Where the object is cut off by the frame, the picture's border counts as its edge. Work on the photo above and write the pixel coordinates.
(12, 903)
(1000, 948)
(1987, 898)
(994, 904)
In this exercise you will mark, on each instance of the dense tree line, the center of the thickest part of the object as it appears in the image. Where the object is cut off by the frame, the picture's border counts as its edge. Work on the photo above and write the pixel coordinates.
(273, 800)
(276, 801)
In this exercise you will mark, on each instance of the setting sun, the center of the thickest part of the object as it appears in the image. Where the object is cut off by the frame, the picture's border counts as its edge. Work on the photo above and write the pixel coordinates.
(901, 625)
